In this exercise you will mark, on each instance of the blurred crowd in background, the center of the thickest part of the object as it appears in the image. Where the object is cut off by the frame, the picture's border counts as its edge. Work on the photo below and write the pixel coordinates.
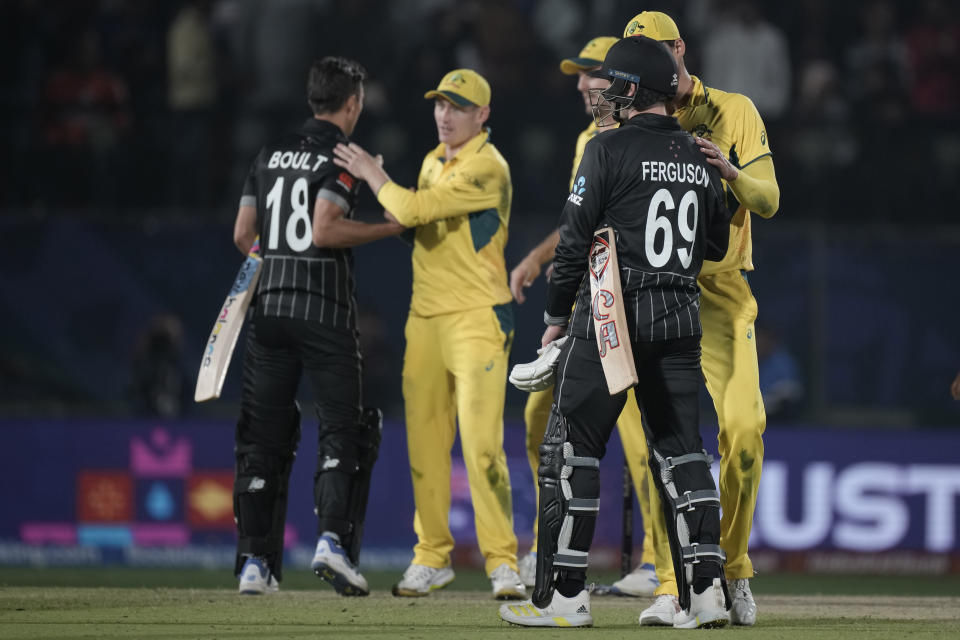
(148, 112)
(151, 103)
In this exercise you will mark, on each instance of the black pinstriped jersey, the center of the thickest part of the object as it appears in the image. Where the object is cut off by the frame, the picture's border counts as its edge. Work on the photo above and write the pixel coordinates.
(650, 182)
(299, 279)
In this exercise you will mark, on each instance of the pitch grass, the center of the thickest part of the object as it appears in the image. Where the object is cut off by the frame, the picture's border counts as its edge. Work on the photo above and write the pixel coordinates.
(152, 604)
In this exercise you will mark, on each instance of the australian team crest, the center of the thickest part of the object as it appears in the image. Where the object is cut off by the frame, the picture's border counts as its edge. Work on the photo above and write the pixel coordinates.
(703, 131)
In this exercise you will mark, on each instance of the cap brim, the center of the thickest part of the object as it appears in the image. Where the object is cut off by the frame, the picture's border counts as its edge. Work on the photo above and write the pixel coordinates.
(455, 98)
(571, 66)
(599, 73)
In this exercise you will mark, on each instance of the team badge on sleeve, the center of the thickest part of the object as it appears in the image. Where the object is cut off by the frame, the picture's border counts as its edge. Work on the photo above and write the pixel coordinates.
(579, 188)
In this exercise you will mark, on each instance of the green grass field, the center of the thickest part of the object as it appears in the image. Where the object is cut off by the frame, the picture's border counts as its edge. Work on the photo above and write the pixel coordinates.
(128, 603)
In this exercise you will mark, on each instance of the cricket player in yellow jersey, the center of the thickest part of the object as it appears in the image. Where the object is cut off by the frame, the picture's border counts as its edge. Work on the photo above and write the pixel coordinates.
(731, 134)
(642, 581)
(458, 332)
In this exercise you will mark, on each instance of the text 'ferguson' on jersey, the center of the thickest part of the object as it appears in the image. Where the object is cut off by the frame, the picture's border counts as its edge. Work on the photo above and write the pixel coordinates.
(649, 180)
(299, 279)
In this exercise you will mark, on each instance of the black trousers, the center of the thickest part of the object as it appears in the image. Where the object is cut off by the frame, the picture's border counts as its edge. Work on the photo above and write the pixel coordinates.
(279, 351)
(667, 394)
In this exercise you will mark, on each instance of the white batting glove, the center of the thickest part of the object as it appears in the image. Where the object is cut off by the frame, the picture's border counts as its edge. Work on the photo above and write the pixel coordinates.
(539, 374)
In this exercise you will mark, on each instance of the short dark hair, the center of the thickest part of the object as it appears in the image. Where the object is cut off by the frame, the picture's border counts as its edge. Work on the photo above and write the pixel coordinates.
(331, 81)
(647, 98)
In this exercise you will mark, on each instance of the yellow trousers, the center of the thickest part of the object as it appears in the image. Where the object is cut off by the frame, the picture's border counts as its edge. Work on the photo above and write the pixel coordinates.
(727, 313)
(537, 412)
(455, 368)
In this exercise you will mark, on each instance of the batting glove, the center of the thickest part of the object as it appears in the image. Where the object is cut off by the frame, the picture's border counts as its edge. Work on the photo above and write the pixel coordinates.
(538, 375)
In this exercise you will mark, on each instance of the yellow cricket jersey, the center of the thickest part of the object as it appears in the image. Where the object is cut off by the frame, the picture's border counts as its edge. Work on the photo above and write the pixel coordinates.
(460, 210)
(732, 122)
(582, 141)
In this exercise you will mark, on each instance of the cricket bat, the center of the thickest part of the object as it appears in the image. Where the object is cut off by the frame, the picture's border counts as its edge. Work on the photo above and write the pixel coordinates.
(609, 317)
(226, 330)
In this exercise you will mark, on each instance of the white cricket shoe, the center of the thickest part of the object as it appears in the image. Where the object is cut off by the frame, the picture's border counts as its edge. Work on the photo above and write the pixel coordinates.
(330, 562)
(561, 612)
(507, 584)
(661, 613)
(641, 582)
(419, 580)
(708, 610)
(527, 568)
(256, 578)
(743, 610)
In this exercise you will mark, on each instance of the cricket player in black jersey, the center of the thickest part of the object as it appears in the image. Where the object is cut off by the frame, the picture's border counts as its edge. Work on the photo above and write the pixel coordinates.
(304, 318)
(649, 181)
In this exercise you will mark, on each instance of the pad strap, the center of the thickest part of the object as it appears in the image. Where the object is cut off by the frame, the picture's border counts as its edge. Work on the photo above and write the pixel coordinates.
(580, 461)
(583, 505)
(691, 499)
(697, 552)
(571, 558)
(702, 456)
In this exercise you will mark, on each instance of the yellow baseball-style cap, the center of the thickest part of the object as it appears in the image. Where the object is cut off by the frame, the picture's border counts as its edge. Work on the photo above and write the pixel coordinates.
(653, 24)
(464, 88)
(591, 55)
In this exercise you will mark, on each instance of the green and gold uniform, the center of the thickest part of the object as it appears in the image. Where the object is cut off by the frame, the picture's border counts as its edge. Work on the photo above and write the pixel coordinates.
(458, 335)
(727, 313)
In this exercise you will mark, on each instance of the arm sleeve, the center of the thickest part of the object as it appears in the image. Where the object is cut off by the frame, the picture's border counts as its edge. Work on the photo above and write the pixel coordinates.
(339, 188)
(475, 186)
(717, 222)
(580, 218)
(756, 187)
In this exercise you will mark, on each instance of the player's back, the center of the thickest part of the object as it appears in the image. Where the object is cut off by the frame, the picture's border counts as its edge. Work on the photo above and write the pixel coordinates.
(300, 279)
(665, 203)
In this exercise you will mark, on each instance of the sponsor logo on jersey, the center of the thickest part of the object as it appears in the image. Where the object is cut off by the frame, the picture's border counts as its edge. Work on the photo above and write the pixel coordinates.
(579, 188)
(346, 180)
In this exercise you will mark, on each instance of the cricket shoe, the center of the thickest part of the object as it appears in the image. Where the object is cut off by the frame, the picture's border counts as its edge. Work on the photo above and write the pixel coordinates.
(527, 568)
(256, 578)
(561, 612)
(419, 580)
(708, 610)
(507, 584)
(641, 582)
(661, 613)
(743, 610)
(330, 563)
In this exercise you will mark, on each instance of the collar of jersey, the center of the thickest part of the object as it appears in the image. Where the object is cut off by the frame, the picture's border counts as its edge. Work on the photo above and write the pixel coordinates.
(313, 125)
(698, 95)
(473, 145)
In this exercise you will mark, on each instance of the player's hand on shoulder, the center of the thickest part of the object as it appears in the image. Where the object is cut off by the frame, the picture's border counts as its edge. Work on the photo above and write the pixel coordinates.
(522, 276)
(715, 157)
(356, 160)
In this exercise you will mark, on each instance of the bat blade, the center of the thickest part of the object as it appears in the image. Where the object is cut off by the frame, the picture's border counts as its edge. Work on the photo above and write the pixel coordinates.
(609, 316)
(223, 338)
